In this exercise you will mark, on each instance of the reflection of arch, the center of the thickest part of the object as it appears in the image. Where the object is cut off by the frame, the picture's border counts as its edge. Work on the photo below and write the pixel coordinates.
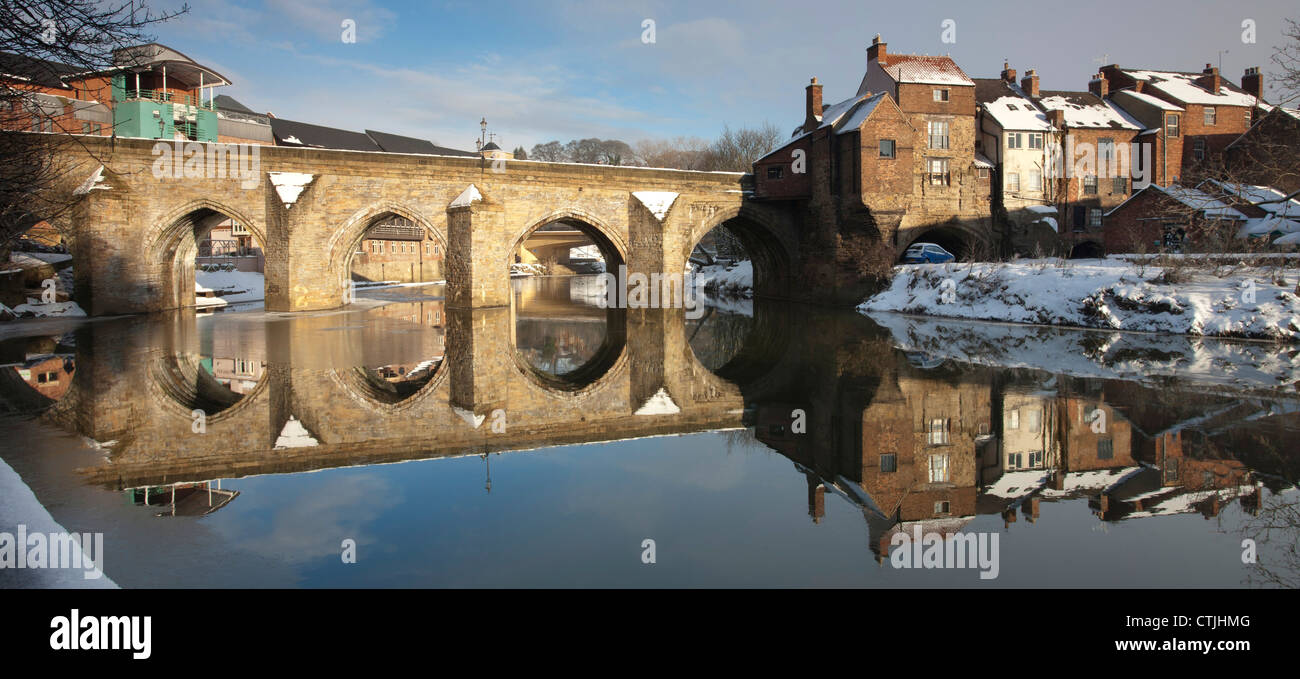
(609, 356)
(1088, 249)
(957, 239)
(342, 246)
(758, 233)
(182, 386)
(20, 396)
(372, 391)
(612, 246)
(173, 242)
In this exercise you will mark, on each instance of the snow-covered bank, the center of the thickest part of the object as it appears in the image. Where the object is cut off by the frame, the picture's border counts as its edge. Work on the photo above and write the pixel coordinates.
(1212, 364)
(19, 506)
(228, 287)
(1106, 294)
(35, 308)
(732, 281)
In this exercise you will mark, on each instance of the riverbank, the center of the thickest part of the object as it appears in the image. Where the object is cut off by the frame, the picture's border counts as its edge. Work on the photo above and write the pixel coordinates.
(1109, 294)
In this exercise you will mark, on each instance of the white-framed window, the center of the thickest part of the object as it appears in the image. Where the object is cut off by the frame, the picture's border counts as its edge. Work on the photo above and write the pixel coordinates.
(1171, 125)
(1013, 181)
(1035, 140)
(1094, 217)
(1035, 180)
(1198, 148)
(1015, 140)
(1211, 116)
(1090, 184)
(1034, 420)
(937, 168)
(941, 95)
(1015, 460)
(1035, 459)
(938, 130)
(939, 472)
(1013, 418)
(936, 433)
(942, 507)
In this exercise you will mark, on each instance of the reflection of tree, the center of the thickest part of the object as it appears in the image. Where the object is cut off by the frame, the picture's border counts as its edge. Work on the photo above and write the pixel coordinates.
(1276, 532)
(718, 337)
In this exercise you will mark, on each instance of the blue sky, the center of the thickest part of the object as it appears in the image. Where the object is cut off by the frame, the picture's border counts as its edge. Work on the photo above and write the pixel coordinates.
(579, 68)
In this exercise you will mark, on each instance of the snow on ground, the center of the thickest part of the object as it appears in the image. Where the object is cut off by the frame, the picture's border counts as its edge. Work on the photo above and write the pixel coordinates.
(1110, 294)
(33, 259)
(730, 281)
(1147, 358)
(230, 287)
(19, 505)
(35, 308)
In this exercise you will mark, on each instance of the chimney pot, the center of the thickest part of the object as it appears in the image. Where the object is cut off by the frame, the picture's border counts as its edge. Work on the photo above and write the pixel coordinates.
(878, 50)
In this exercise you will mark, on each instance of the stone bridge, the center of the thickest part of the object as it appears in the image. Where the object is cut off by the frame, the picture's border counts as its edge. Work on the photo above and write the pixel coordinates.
(135, 230)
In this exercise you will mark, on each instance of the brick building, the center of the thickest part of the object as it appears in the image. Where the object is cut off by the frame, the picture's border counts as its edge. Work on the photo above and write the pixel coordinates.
(1165, 218)
(397, 249)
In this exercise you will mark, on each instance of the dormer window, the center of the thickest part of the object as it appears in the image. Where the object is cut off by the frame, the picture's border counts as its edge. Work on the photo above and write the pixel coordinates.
(941, 95)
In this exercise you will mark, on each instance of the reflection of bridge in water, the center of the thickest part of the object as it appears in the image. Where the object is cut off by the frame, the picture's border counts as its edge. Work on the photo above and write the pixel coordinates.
(913, 443)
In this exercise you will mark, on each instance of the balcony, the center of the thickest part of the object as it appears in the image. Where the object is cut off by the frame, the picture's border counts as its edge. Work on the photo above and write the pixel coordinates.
(166, 98)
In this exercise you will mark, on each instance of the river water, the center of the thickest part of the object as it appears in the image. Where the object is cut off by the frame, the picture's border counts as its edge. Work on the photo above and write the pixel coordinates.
(399, 443)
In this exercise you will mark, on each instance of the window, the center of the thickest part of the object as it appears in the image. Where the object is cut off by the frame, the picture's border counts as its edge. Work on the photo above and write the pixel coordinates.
(1035, 180)
(1014, 140)
(1210, 115)
(1013, 181)
(936, 433)
(427, 248)
(1198, 148)
(1171, 125)
(1080, 217)
(944, 507)
(938, 134)
(1036, 459)
(1105, 449)
(1119, 185)
(941, 95)
(982, 172)
(1105, 151)
(1094, 217)
(886, 148)
(939, 468)
(1014, 460)
(889, 463)
(1012, 107)
(1247, 117)
(938, 171)
(1035, 140)
(775, 172)
(1171, 469)
(1090, 184)
(392, 248)
(1034, 418)
(1013, 419)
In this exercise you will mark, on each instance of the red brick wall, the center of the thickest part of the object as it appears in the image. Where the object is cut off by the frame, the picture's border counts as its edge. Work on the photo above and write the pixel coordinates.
(791, 184)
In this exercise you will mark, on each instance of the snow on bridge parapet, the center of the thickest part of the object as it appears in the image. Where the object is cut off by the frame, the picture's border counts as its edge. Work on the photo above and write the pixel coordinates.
(467, 197)
(289, 185)
(657, 202)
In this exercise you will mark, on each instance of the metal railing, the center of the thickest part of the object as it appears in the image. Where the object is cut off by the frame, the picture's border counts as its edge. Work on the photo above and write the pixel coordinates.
(225, 248)
(167, 98)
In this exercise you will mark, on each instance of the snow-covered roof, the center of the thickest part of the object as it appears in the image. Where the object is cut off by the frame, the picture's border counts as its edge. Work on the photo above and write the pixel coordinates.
(1265, 198)
(1183, 87)
(859, 113)
(1017, 113)
(1150, 100)
(1192, 198)
(1264, 226)
(1084, 109)
(982, 161)
(927, 70)
(834, 112)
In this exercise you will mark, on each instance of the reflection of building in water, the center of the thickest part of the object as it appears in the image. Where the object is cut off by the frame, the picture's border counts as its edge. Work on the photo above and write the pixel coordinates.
(183, 499)
(50, 376)
(429, 314)
(239, 375)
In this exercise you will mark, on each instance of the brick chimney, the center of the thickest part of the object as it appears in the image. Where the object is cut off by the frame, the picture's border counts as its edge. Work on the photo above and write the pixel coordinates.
(1057, 118)
(1253, 82)
(813, 108)
(1210, 80)
(1029, 83)
(877, 50)
(1008, 73)
(1137, 85)
(1099, 85)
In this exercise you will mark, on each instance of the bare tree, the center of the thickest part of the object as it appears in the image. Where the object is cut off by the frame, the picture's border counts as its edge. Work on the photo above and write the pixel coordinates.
(41, 42)
(736, 150)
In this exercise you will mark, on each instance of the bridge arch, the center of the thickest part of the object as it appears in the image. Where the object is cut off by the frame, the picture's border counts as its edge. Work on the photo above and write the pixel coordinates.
(769, 248)
(613, 247)
(961, 240)
(173, 242)
(343, 242)
(370, 390)
(180, 385)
